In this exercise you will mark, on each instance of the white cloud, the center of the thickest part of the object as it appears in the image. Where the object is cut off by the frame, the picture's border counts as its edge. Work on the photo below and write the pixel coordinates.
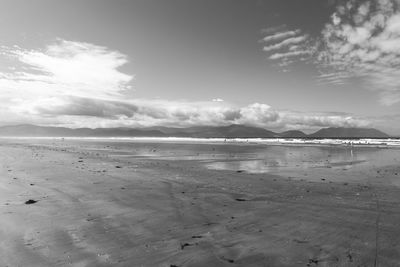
(91, 112)
(301, 120)
(77, 84)
(280, 35)
(365, 45)
(287, 47)
(286, 42)
(65, 68)
(290, 54)
(257, 114)
(336, 19)
(361, 41)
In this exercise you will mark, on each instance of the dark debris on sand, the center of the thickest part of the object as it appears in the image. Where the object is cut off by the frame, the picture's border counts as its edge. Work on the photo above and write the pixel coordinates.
(228, 260)
(30, 201)
(312, 262)
(186, 245)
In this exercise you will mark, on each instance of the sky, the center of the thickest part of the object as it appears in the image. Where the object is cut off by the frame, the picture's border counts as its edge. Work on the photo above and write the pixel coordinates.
(275, 64)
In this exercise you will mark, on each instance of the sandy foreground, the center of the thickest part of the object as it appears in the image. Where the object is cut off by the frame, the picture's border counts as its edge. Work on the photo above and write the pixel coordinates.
(97, 210)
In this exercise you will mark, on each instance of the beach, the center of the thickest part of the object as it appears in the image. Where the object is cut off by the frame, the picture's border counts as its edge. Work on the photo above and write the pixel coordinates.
(120, 203)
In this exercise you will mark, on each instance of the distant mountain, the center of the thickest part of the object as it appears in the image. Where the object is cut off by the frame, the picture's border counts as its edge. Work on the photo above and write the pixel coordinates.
(293, 134)
(34, 131)
(231, 131)
(349, 133)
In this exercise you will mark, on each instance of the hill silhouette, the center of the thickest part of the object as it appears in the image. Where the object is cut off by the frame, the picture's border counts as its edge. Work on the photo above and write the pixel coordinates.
(349, 133)
(231, 131)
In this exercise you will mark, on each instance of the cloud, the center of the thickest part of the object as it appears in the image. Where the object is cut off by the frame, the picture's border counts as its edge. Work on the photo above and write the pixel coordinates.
(361, 41)
(76, 84)
(64, 68)
(285, 43)
(317, 120)
(381, 123)
(286, 47)
(90, 112)
(43, 79)
(280, 35)
(289, 54)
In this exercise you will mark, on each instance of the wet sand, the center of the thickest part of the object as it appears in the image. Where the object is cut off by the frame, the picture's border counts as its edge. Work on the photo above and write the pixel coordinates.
(78, 204)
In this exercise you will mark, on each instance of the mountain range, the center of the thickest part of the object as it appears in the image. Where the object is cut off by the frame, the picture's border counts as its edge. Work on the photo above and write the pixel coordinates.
(231, 131)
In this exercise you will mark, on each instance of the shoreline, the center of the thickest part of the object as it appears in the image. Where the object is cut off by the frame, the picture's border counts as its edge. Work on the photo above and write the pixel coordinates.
(344, 142)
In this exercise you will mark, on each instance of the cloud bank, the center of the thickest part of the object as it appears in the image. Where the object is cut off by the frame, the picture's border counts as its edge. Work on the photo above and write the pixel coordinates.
(361, 41)
(77, 84)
